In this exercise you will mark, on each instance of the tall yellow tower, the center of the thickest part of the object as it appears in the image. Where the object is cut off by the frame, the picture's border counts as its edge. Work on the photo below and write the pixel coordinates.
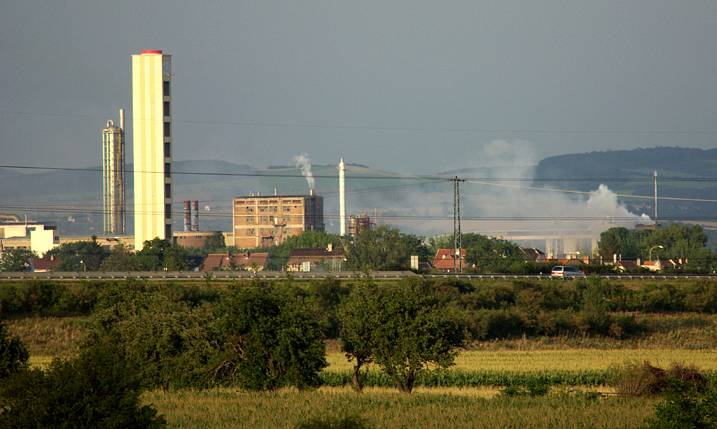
(152, 142)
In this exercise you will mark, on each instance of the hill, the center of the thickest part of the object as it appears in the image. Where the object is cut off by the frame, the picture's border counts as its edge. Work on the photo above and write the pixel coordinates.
(631, 171)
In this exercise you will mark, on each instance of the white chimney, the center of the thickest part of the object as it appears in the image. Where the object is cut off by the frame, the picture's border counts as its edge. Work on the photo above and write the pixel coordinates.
(121, 124)
(342, 197)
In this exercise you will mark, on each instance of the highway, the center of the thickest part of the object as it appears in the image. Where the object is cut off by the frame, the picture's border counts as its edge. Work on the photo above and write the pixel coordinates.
(280, 275)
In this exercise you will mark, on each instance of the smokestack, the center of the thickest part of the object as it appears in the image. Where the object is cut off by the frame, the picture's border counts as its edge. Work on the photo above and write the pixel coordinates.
(195, 215)
(655, 180)
(121, 124)
(187, 216)
(342, 197)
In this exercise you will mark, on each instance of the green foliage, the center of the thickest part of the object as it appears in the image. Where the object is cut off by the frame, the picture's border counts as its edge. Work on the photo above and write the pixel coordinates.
(686, 406)
(270, 339)
(16, 260)
(170, 343)
(161, 255)
(383, 249)
(80, 256)
(279, 255)
(487, 254)
(403, 327)
(530, 387)
(215, 242)
(97, 389)
(120, 259)
(463, 378)
(680, 241)
(332, 422)
(13, 354)
(356, 315)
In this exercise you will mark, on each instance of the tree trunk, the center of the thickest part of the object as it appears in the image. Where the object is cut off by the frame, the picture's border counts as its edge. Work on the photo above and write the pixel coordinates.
(356, 381)
(406, 386)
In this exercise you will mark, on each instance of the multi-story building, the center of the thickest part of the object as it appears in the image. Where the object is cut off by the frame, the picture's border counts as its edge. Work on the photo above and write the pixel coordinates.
(358, 224)
(263, 221)
(113, 183)
(152, 141)
(36, 236)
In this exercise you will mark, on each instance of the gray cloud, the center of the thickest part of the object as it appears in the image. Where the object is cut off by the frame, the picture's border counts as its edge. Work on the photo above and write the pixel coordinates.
(405, 85)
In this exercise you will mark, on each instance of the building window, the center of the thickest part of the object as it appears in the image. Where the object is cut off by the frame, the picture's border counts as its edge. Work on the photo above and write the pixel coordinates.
(165, 88)
(166, 108)
(167, 129)
(167, 210)
(168, 232)
(167, 150)
(167, 169)
(167, 190)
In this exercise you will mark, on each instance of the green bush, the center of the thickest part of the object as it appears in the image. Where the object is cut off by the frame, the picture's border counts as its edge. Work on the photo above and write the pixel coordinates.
(270, 338)
(686, 406)
(97, 389)
(13, 354)
(492, 324)
(170, 343)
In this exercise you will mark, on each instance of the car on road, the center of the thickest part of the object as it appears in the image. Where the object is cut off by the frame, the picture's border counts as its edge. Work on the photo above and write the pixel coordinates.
(566, 271)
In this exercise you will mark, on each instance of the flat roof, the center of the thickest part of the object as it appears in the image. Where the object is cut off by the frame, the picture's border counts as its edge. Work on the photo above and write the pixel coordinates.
(276, 196)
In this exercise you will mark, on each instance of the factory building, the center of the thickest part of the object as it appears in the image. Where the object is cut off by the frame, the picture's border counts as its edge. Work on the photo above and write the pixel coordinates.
(113, 180)
(263, 221)
(36, 236)
(152, 141)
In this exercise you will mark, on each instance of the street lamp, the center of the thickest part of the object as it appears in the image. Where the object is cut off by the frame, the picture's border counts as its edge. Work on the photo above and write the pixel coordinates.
(659, 246)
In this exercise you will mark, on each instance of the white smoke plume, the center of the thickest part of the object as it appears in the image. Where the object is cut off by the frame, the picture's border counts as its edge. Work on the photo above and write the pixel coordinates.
(303, 162)
(507, 207)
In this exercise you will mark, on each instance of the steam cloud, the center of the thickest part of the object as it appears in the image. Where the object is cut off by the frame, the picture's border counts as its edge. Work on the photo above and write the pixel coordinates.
(303, 162)
(513, 207)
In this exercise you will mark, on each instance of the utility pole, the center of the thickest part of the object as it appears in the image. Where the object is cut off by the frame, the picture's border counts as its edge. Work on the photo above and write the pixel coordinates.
(457, 239)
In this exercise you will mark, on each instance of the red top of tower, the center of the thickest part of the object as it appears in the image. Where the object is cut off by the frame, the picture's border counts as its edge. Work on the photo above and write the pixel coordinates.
(151, 51)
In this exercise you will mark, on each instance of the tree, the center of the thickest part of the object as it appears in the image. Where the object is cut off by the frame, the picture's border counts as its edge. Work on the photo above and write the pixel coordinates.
(16, 260)
(402, 328)
(99, 388)
(617, 241)
(271, 339)
(356, 315)
(120, 259)
(170, 343)
(215, 242)
(486, 253)
(13, 355)
(80, 256)
(159, 255)
(383, 248)
(279, 255)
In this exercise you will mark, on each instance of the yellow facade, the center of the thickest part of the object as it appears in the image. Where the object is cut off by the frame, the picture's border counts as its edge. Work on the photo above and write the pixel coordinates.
(152, 142)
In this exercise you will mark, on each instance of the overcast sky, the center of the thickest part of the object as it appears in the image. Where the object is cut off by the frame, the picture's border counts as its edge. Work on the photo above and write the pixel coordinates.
(414, 86)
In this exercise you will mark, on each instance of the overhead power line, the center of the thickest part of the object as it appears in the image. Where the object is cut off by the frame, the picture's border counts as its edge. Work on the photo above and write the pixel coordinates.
(437, 178)
(364, 127)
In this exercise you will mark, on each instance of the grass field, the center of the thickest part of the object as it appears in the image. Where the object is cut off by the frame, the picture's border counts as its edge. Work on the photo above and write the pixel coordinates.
(564, 360)
(227, 408)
